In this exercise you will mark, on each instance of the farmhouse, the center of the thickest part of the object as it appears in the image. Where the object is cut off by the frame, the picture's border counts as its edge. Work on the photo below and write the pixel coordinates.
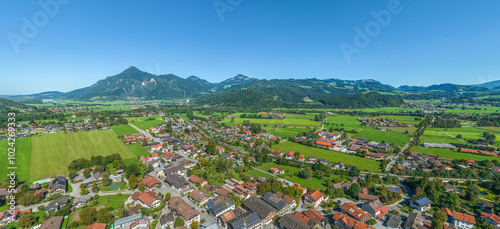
(313, 198)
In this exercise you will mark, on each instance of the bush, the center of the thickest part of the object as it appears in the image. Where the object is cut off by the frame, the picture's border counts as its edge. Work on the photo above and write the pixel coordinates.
(372, 222)
(74, 224)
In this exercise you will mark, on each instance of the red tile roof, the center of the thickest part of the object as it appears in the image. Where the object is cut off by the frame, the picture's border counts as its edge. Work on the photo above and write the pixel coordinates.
(315, 194)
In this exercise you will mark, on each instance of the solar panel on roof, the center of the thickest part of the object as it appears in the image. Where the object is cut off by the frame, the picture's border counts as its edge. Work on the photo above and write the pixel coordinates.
(423, 201)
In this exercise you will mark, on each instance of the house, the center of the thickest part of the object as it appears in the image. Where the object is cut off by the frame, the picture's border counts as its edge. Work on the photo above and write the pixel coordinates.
(247, 220)
(288, 199)
(125, 222)
(414, 221)
(220, 206)
(313, 198)
(150, 182)
(265, 211)
(252, 188)
(147, 199)
(450, 188)
(493, 220)
(97, 226)
(303, 218)
(177, 183)
(56, 204)
(392, 220)
(52, 223)
(282, 206)
(315, 216)
(199, 196)
(462, 220)
(182, 209)
(484, 206)
(344, 221)
(9, 216)
(289, 221)
(240, 191)
(175, 169)
(58, 185)
(339, 165)
(289, 155)
(208, 225)
(364, 194)
(276, 171)
(375, 208)
(197, 180)
(80, 201)
(421, 203)
(355, 212)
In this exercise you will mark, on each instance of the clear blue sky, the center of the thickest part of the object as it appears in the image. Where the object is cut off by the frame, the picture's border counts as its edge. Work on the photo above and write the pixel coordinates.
(427, 42)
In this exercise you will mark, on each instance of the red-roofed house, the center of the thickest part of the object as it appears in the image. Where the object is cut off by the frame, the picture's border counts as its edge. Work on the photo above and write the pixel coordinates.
(276, 171)
(151, 182)
(147, 199)
(493, 219)
(314, 198)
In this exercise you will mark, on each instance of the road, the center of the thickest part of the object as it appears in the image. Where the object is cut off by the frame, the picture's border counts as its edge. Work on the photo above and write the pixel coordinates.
(430, 178)
(394, 159)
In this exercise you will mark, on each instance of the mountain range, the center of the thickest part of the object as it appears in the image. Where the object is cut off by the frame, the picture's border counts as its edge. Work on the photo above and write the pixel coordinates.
(134, 84)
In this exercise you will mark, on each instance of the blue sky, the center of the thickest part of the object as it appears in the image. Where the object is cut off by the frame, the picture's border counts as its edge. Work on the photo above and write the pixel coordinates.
(424, 43)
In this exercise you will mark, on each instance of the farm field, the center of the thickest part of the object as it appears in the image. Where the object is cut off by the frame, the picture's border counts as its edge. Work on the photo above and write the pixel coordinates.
(23, 158)
(279, 122)
(332, 156)
(286, 132)
(143, 125)
(142, 118)
(138, 150)
(484, 110)
(52, 153)
(379, 136)
(123, 129)
(448, 153)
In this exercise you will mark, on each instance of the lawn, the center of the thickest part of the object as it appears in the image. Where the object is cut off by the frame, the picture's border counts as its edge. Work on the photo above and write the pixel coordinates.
(377, 135)
(138, 150)
(144, 125)
(123, 129)
(448, 153)
(113, 201)
(22, 158)
(332, 156)
(314, 182)
(51, 153)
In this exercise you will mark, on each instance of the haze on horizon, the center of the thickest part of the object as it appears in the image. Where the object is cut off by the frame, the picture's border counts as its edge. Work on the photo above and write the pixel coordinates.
(73, 44)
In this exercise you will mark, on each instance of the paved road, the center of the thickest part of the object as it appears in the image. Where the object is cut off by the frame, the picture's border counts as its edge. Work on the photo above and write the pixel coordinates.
(431, 178)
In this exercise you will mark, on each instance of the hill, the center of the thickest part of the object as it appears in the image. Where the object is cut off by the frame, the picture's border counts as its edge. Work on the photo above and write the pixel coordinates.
(447, 87)
(9, 104)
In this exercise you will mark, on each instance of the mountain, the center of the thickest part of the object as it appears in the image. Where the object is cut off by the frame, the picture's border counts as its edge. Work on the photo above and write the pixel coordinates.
(133, 83)
(492, 85)
(447, 87)
(5, 103)
(236, 81)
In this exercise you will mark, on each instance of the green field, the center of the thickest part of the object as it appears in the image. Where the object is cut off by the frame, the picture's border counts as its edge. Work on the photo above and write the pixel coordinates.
(114, 201)
(278, 122)
(123, 129)
(142, 118)
(387, 136)
(332, 156)
(22, 158)
(314, 182)
(143, 125)
(138, 150)
(286, 132)
(448, 153)
(52, 153)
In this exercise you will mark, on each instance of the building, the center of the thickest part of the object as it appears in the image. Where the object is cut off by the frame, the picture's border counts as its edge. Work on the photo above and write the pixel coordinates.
(421, 203)
(56, 204)
(58, 185)
(199, 196)
(220, 207)
(208, 225)
(141, 223)
(393, 220)
(313, 198)
(289, 221)
(182, 209)
(493, 220)
(315, 216)
(126, 221)
(375, 208)
(355, 212)
(147, 199)
(463, 221)
(175, 169)
(485, 206)
(97, 226)
(265, 211)
(414, 221)
(150, 182)
(52, 223)
(197, 180)
(344, 221)
(282, 206)
(177, 183)
(248, 220)
(167, 221)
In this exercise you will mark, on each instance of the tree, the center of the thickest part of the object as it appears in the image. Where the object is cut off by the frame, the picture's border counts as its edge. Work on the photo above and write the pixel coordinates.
(84, 190)
(354, 191)
(132, 170)
(307, 173)
(103, 216)
(372, 222)
(94, 187)
(133, 181)
(26, 220)
(179, 222)
(168, 196)
(472, 192)
(194, 225)
(105, 179)
(86, 172)
(88, 215)
(439, 219)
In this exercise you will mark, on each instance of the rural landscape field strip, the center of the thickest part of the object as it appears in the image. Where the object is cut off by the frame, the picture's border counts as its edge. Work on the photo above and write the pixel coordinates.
(52, 153)
(22, 159)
